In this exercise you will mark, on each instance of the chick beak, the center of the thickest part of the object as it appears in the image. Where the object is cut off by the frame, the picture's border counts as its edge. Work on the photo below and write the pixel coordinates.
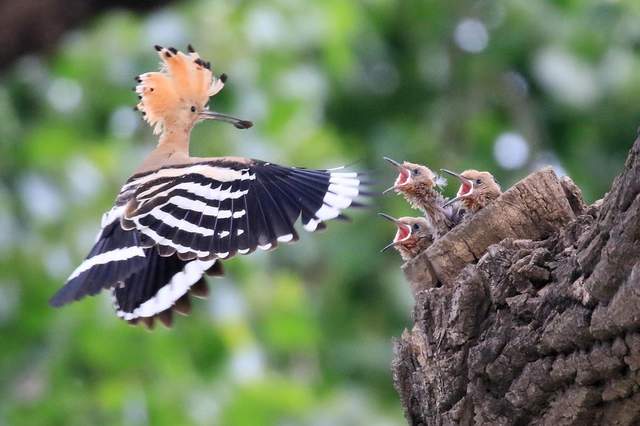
(237, 123)
(466, 187)
(404, 175)
(403, 233)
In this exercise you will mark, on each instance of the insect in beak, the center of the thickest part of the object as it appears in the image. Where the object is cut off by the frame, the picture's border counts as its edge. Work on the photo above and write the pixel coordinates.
(237, 123)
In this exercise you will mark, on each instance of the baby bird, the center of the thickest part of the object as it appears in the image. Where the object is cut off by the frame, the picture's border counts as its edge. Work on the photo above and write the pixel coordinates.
(177, 217)
(477, 190)
(414, 235)
(420, 187)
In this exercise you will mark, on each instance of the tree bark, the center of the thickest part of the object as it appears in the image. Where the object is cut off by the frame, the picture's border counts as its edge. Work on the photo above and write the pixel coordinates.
(529, 313)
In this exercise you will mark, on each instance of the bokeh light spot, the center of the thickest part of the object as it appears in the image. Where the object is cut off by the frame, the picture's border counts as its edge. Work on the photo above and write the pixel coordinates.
(511, 150)
(471, 35)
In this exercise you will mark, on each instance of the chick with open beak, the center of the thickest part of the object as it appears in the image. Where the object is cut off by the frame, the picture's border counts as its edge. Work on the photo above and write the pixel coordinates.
(477, 189)
(420, 187)
(413, 236)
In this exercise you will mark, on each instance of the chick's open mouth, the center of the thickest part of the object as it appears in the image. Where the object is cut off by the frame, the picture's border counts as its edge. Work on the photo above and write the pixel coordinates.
(403, 233)
(465, 189)
(403, 177)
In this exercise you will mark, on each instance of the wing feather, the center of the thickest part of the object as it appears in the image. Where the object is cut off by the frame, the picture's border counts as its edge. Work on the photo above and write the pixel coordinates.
(220, 208)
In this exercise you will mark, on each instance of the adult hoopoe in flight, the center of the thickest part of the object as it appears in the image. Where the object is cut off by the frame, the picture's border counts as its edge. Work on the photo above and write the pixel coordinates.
(477, 190)
(420, 187)
(178, 216)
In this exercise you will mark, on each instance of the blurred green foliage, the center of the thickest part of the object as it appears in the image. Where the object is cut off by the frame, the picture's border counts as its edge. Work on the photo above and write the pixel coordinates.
(301, 335)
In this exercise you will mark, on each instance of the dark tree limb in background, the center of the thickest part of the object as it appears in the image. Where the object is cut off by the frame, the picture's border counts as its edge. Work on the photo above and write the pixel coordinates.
(29, 26)
(544, 328)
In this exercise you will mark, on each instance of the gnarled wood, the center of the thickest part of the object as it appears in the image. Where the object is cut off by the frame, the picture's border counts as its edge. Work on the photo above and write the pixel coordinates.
(544, 328)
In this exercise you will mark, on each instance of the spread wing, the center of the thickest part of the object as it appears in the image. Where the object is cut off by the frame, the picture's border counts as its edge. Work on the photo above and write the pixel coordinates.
(217, 209)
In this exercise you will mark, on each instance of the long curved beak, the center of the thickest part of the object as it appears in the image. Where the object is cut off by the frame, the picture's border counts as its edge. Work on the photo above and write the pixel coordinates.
(237, 123)
(401, 171)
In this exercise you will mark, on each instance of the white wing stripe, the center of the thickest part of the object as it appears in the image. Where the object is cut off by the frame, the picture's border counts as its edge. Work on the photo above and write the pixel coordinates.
(201, 207)
(326, 212)
(311, 225)
(344, 181)
(204, 191)
(165, 297)
(336, 201)
(115, 255)
(220, 174)
(345, 175)
(181, 224)
(161, 240)
(345, 191)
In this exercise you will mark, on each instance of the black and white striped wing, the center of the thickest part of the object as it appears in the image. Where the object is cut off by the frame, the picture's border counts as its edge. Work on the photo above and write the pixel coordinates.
(143, 284)
(115, 256)
(217, 209)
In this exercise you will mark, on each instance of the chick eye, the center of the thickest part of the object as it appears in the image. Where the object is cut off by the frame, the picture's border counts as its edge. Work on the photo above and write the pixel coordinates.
(416, 226)
(416, 172)
(478, 181)
(193, 108)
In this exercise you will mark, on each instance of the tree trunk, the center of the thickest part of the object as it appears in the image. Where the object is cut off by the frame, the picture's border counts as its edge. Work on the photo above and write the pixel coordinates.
(529, 313)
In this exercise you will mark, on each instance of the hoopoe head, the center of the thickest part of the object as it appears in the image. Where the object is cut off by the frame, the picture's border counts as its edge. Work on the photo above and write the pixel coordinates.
(177, 96)
(477, 189)
(414, 179)
(413, 235)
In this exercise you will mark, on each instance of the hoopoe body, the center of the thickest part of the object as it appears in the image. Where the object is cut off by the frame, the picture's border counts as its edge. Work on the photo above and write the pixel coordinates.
(477, 190)
(420, 187)
(413, 235)
(178, 216)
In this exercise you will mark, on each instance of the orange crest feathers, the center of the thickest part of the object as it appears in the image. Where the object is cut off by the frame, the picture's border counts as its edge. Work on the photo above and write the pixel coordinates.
(183, 80)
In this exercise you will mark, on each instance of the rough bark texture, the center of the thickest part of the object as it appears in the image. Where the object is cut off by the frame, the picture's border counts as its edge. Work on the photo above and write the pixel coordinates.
(529, 313)
(28, 26)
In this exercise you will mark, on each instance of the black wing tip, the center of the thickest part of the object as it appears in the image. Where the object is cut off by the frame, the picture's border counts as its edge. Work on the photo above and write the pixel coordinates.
(64, 296)
(243, 124)
(57, 301)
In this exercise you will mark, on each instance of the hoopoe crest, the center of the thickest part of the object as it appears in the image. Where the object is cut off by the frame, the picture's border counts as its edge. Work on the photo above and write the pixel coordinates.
(176, 97)
(177, 217)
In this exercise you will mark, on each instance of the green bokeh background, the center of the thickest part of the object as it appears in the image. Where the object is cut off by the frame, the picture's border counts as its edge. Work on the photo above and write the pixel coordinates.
(300, 336)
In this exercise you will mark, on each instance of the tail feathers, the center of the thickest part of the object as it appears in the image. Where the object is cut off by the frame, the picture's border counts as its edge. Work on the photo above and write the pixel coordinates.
(114, 257)
(163, 285)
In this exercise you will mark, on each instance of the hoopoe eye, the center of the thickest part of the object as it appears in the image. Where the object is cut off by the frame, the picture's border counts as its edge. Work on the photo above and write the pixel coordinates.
(193, 108)
(416, 226)
(416, 172)
(478, 181)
